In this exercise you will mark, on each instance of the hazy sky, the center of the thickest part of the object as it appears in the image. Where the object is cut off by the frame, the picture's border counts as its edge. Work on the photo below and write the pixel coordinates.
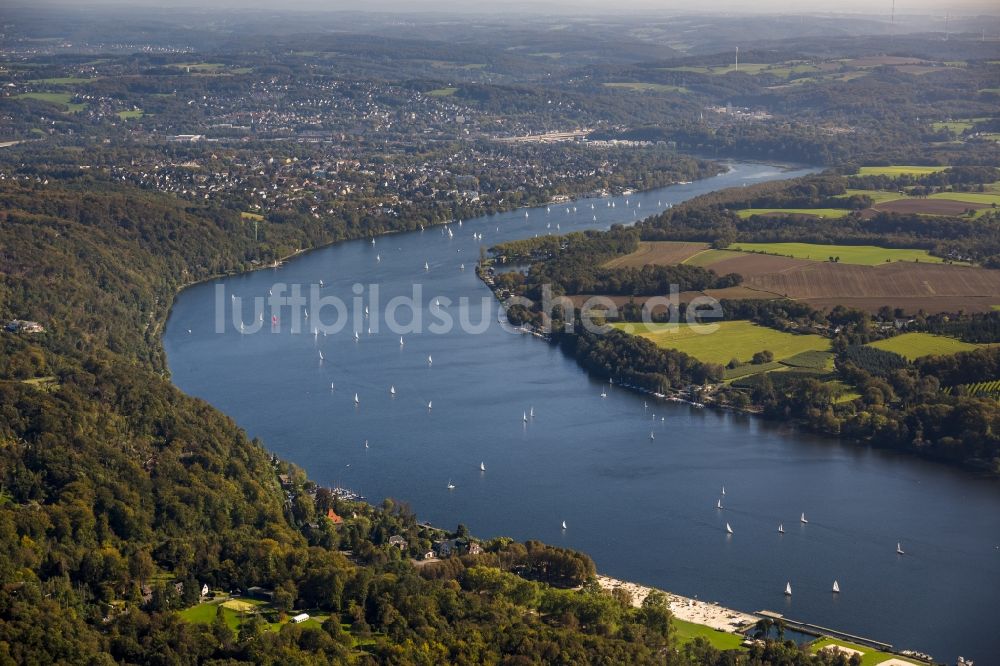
(877, 7)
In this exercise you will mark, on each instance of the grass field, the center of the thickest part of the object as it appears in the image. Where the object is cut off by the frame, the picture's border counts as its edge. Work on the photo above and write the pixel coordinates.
(709, 257)
(915, 345)
(61, 81)
(251, 216)
(130, 115)
(54, 98)
(984, 198)
(869, 657)
(899, 170)
(733, 339)
(442, 92)
(815, 212)
(685, 632)
(862, 255)
(878, 196)
(645, 87)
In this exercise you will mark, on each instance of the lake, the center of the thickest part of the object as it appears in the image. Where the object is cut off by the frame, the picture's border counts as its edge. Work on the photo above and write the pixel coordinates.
(644, 509)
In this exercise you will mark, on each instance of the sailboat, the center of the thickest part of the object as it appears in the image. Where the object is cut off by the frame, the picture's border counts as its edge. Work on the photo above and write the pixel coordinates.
(427, 266)
(437, 303)
(526, 213)
(788, 589)
(651, 435)
(718, 504)
(430, 361)
(781, 528)
(392, 390)
(836, 587)
(482, 467)
(366, 443)
(524, 418)
(899, 548)
(723, 491)
(462, 267)
(356, 400)
(321, 283)
(604, 394)
(366, 310)
(531, 413)
(332, 386)
(373, 241)
(802, 518)
(564, 524)
(430, 404)
(729, 530)
(401, 341)
(451, 486)
(356, 336)
(321, 356)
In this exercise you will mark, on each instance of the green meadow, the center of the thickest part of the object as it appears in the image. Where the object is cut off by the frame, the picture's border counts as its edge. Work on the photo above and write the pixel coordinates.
(899, 170)
(732, 339)
(863, 255)
(915, 345)
(815, 212)
(645, 87)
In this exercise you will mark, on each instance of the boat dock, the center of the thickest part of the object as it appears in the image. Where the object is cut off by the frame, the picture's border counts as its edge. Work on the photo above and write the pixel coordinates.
(817, 630)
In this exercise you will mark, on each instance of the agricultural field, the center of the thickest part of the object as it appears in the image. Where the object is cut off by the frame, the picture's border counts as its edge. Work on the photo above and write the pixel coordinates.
(914, 345)
(980, 198)
(861, 279)
(897, 170)
(877, 196)
(989, 389)
(811, 212)
(645, 87)
(442, 92)
(732, 339)
(660, 253)
(861, 255)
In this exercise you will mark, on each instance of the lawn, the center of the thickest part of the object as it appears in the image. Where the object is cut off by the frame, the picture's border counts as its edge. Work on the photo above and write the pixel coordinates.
(442, 92)
(129, 115)
(62, 81)
(898, 170)
(915, 345)
(54, 98)
(862, 255)
(870, 656)
(685, 632)
(251, 216)
(739, 339)
(645, 87)
(816, 212)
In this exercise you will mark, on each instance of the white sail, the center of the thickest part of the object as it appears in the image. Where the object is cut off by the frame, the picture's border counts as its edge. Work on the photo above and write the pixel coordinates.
(781, 528)
(356, 401)
(729, 530)
(482, 467)
(356, 337)
(430, 404)
(524, 416)
(401, 341)
(392, 390)
(718, 504)
(321, 356)
(564, 524)
(802, 518)
(366, 443)
(723, 491)
(531, 413)
(604, 394)
(788, 589)
(836, 587)
(451, 486)
(899, 548)
(651, 435)
(430, 360)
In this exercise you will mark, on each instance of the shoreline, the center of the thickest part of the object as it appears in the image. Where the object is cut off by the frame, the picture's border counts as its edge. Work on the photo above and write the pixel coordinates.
(705, 613)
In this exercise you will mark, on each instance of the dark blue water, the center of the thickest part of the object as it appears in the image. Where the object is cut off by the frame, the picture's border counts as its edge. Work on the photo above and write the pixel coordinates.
(644, 510)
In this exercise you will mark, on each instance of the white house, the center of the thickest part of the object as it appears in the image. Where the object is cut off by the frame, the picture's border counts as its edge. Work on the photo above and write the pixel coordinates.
(301, 617)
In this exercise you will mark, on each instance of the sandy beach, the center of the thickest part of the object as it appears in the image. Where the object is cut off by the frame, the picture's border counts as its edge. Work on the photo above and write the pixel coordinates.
(685, 608)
